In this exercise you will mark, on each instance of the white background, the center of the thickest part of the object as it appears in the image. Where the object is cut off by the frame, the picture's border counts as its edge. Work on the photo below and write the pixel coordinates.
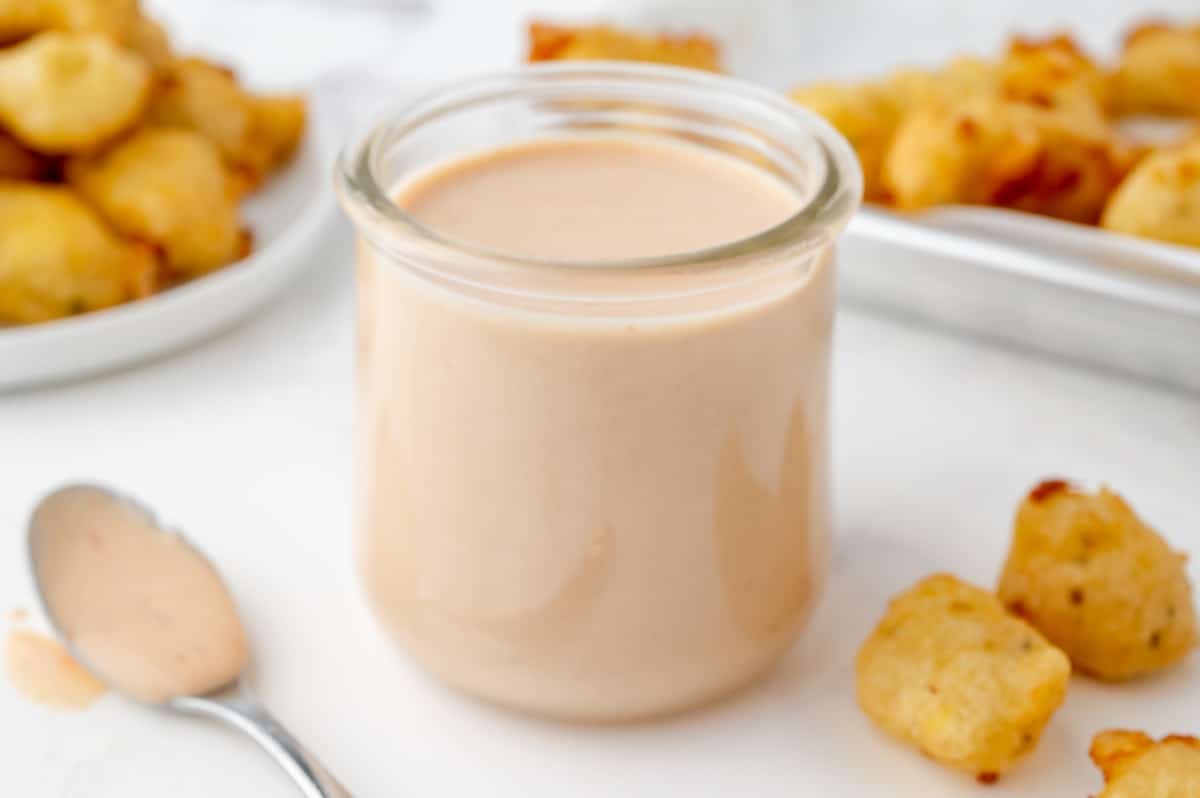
(245, 442)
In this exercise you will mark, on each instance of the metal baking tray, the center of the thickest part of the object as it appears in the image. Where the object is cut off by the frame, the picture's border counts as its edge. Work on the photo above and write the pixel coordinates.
(1107, 300)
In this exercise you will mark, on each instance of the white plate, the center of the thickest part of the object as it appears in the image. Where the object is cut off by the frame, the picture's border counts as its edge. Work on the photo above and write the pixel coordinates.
(288, 217)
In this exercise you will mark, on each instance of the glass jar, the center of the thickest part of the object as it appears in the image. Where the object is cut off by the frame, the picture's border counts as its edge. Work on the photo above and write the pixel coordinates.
(595, 490)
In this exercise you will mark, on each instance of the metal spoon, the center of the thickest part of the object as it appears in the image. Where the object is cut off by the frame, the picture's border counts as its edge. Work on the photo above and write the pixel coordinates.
(232, 703)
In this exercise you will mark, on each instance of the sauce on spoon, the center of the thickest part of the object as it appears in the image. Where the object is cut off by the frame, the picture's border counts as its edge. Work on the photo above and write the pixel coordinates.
(142, 608)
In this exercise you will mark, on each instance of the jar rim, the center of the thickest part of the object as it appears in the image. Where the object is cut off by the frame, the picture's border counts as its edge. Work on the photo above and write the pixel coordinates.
(819, 218)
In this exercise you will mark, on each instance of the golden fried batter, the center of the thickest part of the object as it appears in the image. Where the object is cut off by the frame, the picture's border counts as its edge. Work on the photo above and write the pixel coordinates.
(1135, 766)
(1160, 198)
(168, 187)
(1098, 582)
(558, 43)
(149, 40)
(70, 92)
(255, 134)
(1159, 71)
(1054, 73)
(949, 671)
(111, 18)
(910, 89)
(865, 116)
(993, 151)
(58, 258)
(18, 163)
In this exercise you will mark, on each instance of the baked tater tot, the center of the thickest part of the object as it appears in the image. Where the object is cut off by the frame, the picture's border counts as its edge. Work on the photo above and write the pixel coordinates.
(58, 258)
(149, 40)
(864, 115)
(944, 154)
(21, 18)
(558, 43)
(70, 92)
(18, 163)
(254, 134)
(1098, 582)
(1159, 71)
(1054, 73)
(966, 76)
(171, 188)
(199, 95)
(949, 671)
(1160, 198)
(992, 151)
(1135, 766)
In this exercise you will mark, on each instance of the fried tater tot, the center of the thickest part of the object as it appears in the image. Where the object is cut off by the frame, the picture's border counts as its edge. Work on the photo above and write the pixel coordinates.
(199, 95)
(58, 258)
(865, 116)
(149, 40)
(1135, 766)
(111, 18)
(171, 188)
(18, 163)
(992, 151)
(1159, 71)
(557, 43)
(1054, 73)
(965, 76)
(1098, 582)
(949, 671)
(1160, 198)
(275, 131)
(255, 135)
(70, 92)
(942, 154)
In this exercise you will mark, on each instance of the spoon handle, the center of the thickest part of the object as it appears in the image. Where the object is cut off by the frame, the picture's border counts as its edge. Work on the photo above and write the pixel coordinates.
(245, 714)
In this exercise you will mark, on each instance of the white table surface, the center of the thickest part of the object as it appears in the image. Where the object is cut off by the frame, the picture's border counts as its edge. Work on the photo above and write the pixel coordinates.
(245, 442)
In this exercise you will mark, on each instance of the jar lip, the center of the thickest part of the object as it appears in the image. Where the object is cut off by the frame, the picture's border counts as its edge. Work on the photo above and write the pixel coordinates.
(825, 212)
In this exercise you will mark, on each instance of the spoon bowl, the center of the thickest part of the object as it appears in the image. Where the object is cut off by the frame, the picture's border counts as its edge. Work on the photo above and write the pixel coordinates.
(146, 612)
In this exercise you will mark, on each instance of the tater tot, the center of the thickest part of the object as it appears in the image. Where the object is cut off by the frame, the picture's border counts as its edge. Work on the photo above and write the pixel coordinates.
(1135, 766)
(864, 115)
(1160, 198)
(1098, 582)
(58, 258)
(171, 188)
(63, 93)
(111, 18)
(558, 43)
(952, 673)
(1159, 71)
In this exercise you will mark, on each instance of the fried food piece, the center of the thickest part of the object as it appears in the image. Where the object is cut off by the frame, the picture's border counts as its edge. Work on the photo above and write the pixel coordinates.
(865, 116)
(18, 163)
(1160, 198)
(965, 76)
(58, 258)
(254, 134)
(1054, 73)
(1135, 766)
(22, 18)
(1159, 71)
(70, 92)
(168, 187)
(149, 40)
(1098, 582)
(989, 150)
(277, 125)
(199, 95)
(948, 670)
(559, 43)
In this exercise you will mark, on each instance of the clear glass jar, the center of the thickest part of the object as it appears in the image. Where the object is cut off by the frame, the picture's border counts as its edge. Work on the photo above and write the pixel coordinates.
(595, 490)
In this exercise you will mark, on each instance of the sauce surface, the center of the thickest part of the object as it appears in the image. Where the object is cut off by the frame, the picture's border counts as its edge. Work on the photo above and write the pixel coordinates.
(142, 608)
(599, 198)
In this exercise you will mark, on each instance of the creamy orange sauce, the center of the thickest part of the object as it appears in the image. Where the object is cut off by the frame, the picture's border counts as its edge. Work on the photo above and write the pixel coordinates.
(600, 517)
(40, 669)
(144, 610)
